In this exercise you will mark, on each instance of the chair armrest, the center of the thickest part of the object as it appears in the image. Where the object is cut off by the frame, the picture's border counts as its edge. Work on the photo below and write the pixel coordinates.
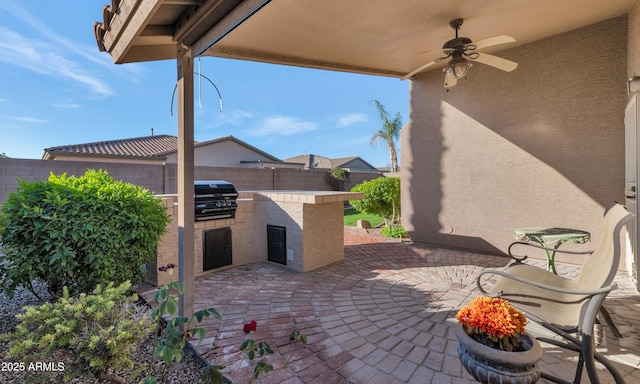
(520, 259)
(552, 288)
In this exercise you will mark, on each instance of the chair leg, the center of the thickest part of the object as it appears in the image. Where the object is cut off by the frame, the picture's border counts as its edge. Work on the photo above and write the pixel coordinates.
(604, 314)
(587, 356)
(587, 353)
(571, 344)
(591, 356)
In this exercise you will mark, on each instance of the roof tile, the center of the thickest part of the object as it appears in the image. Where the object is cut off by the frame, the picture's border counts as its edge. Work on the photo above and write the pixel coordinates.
(146, 146)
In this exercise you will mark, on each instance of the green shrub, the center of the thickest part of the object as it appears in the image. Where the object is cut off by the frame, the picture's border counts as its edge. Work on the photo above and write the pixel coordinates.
(396, 232)
(78, 232)
(96, 332)
(339, 177)
(382, 197)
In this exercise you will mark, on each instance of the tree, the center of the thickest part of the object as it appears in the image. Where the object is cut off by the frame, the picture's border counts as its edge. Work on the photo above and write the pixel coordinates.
(381, 197)
(389, 133)
(3, 155)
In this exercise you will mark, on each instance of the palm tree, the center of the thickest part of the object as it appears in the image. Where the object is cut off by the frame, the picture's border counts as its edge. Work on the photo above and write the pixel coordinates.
(389, 133)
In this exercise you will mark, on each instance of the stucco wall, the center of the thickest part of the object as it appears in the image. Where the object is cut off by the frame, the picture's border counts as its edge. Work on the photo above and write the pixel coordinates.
(289, 215)
(542, 145)
(633, 59)
(226, 154)
(322, 243)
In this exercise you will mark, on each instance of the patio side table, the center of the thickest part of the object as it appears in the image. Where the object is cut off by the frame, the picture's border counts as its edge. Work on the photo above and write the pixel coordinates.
(551, 236)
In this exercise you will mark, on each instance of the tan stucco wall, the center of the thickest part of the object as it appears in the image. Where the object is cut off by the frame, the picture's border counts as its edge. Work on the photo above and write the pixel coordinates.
(542, 145)
(222, 154)
(285, 214)
(633, 58)
(323, 245)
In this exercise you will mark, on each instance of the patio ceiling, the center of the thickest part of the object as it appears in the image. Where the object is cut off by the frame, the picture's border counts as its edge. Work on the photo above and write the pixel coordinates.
(383, 37)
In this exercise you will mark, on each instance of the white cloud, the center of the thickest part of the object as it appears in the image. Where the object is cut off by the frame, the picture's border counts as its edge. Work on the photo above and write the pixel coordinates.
(352, 118)
(67, 105)
(84, 51)
(235, 117)
(41, 58)
(281, 125)
(26, 119)
(54, 55)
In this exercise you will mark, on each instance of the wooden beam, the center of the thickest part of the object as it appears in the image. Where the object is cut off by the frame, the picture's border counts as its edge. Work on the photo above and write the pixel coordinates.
(228, 23)
(197, 20)
(157, 30)
(186, 212)
(183, 2)
(128, 28)
(120, 19)
(267, 57)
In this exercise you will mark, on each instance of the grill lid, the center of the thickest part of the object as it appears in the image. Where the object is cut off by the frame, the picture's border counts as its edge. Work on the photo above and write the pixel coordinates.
(214, 188)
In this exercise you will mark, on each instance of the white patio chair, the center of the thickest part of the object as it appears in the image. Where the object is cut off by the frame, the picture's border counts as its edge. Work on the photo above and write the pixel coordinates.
(567, 307)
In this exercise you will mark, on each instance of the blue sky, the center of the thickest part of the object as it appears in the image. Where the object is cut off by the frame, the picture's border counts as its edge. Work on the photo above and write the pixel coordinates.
(56, 88)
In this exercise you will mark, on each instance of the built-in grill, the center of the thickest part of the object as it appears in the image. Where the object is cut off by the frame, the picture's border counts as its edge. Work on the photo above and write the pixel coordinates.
(215, 199)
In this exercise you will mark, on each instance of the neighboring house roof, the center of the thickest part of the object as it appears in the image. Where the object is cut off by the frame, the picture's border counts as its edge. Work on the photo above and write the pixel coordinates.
(347, 162)
(137, 147)
(386, 168)
(155, 147)
(228, 138)
(312, 161)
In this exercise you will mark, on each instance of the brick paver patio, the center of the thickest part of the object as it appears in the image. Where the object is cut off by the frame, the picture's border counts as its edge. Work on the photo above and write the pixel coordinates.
(383, 315)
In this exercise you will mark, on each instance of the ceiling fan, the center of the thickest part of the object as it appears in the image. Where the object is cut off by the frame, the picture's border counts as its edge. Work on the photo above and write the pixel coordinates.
(463, 52)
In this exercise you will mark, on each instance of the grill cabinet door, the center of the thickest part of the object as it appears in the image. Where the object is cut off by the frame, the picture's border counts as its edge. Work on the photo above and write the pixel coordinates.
(277, 244)
(216, 248)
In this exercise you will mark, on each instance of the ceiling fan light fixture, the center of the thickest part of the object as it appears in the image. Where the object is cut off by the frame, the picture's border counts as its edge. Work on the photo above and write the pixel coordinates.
(458, 67)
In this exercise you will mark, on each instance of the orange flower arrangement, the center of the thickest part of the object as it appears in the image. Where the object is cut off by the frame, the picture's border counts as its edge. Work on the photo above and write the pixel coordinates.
(493, 322)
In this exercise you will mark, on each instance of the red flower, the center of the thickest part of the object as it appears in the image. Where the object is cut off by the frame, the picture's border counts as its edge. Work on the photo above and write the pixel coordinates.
(252, 326)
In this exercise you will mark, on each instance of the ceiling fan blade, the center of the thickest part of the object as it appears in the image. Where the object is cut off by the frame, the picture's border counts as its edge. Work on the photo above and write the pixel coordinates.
(446, 51)
(430, 51)
(496, 62)
(495, 40)
(408, 75)
(449, 81)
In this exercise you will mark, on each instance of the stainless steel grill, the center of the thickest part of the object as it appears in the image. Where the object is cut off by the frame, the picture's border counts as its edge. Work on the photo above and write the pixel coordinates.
(215, 199)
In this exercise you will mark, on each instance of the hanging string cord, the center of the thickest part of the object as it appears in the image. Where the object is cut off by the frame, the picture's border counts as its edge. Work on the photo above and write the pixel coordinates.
(173, 94)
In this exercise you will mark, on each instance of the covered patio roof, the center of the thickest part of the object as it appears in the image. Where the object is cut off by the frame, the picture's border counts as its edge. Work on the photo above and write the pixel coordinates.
(380, 37)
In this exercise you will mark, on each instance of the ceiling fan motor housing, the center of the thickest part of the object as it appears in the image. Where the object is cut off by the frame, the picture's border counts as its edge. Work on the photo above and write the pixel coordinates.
(457, 43)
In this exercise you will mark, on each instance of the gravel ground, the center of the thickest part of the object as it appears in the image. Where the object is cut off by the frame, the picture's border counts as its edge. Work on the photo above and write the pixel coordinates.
(187, 371)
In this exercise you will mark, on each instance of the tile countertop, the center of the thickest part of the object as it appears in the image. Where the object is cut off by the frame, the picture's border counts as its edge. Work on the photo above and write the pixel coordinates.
(308, 197)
